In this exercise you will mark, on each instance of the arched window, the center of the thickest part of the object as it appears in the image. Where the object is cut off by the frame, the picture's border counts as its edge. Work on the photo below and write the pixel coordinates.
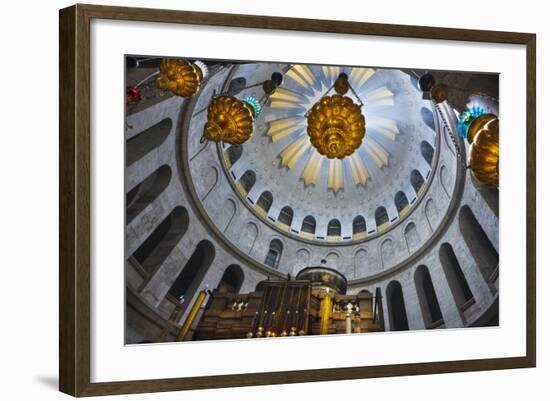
(429, 305)
(247, 180)
(236, 85)
(274, 253)
(359, 225)
(427, 151)
(462, 294)
(381, 217)
(144, 142)
(401, 202)
(286, 215)
(234, 153)
(480, 246)
(396, 307)
(428, 117)
(192, 274)
(334, 228)
(231, 280)
(160, 243)
(139, 197)
(417, 181)
(265, 200)
(309, 225)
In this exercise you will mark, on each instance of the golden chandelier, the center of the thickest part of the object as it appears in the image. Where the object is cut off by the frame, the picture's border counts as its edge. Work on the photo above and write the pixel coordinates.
(181, 77)
(335, 124)
(230, 120)
(484, 149)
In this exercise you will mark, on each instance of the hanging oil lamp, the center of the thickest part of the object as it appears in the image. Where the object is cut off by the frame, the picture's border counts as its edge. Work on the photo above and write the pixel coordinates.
(439, 93)
(231, 120)
(436, 91)
(481, 130)
(181, 77)
(335, 124)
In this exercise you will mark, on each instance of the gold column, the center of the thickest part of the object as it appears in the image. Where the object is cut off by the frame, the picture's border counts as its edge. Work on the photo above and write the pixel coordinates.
(191, 316)
(326, 308)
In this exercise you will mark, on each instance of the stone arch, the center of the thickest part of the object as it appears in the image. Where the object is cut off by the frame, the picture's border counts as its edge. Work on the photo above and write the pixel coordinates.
(210, 180)
(286, 215)
(333, 259)
(309, 225)
(303, 256)
(273, 256)
(146, 141)
(265, 201)
(164, 238)
(248, 239)
(460, 289)
(428, 117)
(334, 228)
(412, 238)
(139, 197)
(396, 307)
(445, 180)
(381, 217)
(247, 181)
(401, 202)
(429, 304)
(359, 225)
(236, 85)
(386, 252)
(233, 153)
(430, 210)
(232, 280)
(360, 263)
(260, 286)
(229, 212)
(481, 248)
(189, 279)
(427, 151)
(417, 181)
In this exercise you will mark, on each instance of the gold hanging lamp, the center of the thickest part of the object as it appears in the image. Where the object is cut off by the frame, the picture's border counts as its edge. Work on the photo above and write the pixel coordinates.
(231, 120)
(181, 77)
(335, 124)
(482, 133)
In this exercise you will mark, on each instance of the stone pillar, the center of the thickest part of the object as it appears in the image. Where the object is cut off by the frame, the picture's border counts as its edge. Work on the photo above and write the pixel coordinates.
(156, 288)
(139, 229)
(412, 303)
(480, 290)
(449, 310)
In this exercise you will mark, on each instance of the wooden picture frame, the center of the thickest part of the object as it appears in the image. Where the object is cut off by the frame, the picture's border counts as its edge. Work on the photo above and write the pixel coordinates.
(74, 204)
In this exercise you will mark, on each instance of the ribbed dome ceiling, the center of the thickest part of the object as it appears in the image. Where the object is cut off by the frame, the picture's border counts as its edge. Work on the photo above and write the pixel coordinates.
(296, 176)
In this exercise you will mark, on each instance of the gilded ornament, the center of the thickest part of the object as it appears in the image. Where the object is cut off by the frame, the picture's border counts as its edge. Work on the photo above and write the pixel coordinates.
(180, 76)
(230, 120)
(484, 149)
(439, 93)
(336, 126)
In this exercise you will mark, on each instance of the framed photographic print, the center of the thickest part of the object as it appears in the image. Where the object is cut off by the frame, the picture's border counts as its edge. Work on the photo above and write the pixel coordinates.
(251, 200)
